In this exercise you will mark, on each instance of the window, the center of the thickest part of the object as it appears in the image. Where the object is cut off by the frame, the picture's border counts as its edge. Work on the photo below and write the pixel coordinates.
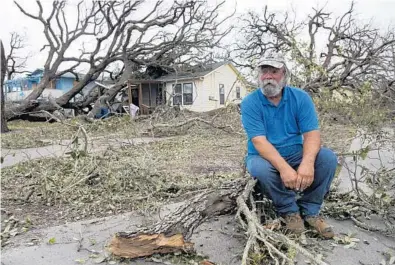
(177, 95)
(221, 94)
(238, 92)
(187, 94)
(183, 94)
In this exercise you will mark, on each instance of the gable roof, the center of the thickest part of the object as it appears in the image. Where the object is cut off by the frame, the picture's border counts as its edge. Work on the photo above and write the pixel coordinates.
(200, 72)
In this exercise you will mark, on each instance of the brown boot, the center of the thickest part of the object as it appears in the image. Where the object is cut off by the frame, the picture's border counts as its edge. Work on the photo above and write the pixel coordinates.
(320, 226)
(293, 223)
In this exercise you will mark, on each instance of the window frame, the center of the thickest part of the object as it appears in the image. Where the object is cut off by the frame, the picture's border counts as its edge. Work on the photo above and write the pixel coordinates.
(177, 95)
(183, 96)
(238, 94)
(221, 89)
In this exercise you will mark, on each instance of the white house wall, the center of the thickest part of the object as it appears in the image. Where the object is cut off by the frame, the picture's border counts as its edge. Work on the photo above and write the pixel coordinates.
(226, 76)
(20, 95)
(206, 89)
(197, 94)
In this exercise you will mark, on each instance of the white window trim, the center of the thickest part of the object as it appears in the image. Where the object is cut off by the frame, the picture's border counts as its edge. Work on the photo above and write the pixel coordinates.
(182, 92)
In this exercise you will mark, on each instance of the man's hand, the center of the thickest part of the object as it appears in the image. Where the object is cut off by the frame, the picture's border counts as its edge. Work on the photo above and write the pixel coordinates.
(289, 177)
(305, 176)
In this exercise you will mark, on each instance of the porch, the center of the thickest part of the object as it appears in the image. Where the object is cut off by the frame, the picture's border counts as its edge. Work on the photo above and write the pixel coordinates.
(146, 94)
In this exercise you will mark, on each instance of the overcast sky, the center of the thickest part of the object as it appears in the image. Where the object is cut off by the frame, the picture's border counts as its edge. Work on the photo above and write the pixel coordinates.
(381, 12)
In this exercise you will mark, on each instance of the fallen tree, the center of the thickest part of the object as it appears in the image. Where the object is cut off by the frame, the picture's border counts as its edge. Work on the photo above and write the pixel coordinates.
(184, 33)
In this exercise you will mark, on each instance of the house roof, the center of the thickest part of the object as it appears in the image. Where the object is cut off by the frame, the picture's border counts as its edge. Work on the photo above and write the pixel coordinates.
(195, 73)
(40, 71)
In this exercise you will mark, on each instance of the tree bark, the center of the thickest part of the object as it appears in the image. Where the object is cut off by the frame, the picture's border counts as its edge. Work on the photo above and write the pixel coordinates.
(130, 69)
(173, 232)
(3, 66)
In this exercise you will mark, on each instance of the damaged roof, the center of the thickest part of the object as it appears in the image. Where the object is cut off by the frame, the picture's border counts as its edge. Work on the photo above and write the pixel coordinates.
(197, 72)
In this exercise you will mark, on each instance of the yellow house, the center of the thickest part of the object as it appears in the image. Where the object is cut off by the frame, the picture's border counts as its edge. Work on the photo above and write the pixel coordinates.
(214, 87)
(209, 87)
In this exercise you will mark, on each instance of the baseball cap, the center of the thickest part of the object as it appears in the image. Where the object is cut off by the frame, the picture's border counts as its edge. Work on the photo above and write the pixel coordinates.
(274, 59)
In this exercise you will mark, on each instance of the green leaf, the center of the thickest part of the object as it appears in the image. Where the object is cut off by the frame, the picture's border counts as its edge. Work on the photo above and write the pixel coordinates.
(92, 241)
(364, 152)
(351, 245)
(52, 241)
(80, 261)
(100, 259)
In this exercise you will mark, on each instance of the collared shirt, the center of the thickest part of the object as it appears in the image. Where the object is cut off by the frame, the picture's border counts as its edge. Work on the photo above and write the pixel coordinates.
(284, 124)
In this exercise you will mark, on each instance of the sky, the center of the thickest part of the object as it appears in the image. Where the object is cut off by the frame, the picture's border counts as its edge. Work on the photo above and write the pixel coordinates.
(378, 12)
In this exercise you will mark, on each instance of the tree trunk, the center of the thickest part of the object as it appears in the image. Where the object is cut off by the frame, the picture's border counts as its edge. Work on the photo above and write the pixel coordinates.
(30, 104)
(130, 68)
(173, 232)
(63, 101)
(3, 66)
(264, 237)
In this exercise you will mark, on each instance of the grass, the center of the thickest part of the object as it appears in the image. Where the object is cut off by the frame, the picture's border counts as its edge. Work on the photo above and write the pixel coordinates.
(134, 177)
(25, 134)
(122, 178)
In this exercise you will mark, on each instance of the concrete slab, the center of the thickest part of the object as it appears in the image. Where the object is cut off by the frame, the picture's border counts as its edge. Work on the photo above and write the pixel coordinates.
(77, 242)
(381, 156)
(219, 239)
(369, 249)
(74, 242)
(15, 156)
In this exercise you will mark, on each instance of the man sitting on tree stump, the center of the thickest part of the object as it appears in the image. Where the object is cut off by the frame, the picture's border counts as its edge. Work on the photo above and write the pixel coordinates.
(284, 148)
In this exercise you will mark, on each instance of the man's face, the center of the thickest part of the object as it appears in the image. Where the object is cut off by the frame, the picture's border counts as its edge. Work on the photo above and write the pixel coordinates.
(271, 80)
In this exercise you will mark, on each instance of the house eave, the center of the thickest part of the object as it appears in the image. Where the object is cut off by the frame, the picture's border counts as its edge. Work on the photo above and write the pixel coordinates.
(181, 79)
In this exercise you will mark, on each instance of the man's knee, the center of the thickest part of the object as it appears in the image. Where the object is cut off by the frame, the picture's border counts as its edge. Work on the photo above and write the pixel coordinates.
(260, 168)
(326, 157)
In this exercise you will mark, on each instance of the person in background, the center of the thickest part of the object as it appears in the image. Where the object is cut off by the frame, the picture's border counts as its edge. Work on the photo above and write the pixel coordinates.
(104, 110)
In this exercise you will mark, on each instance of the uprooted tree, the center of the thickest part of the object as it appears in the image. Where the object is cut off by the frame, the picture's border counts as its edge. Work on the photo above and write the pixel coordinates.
(119, 31)
(354, 53)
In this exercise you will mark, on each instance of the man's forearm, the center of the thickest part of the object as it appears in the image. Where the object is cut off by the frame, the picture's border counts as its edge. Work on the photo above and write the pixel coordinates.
(311, 146)
(269, 152)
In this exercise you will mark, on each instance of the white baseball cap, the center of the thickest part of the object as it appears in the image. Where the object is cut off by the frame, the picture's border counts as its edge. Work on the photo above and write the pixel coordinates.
(274, 59)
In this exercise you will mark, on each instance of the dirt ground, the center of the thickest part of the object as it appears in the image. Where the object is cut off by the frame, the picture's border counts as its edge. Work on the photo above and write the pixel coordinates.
(123, 178)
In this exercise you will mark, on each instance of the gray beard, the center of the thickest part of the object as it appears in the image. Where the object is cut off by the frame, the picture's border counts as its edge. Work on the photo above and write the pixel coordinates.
(270, 87)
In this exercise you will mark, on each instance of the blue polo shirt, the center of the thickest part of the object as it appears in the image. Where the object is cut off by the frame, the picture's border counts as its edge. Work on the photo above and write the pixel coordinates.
(284, 124)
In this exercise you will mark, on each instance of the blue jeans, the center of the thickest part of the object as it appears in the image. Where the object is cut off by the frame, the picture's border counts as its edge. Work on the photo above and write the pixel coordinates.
(103, 112)
(284, 199)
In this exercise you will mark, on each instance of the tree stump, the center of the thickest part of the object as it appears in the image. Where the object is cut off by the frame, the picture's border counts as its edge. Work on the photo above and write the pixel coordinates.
(173, 232)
